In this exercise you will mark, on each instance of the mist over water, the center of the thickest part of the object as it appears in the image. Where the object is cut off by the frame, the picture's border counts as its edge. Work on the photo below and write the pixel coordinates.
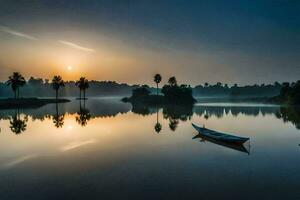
(103, 145)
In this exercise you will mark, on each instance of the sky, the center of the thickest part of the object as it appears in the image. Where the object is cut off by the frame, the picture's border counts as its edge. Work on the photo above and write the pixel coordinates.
(244, 42)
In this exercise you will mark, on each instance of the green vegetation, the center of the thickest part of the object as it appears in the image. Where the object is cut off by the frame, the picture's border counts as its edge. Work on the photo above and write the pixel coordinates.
(16, 81)
(172, 94)
(176, 94)
(41, 87)
(82, 84)
(236, 91)
(157, 80)
(28, 102)
(57, 82)
(289, 94)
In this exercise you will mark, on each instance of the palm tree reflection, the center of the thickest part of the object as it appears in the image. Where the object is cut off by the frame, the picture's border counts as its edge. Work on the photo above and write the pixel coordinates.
(173, 123)
(83, 116)
(58, 119)
(18, 125)
(157, 126)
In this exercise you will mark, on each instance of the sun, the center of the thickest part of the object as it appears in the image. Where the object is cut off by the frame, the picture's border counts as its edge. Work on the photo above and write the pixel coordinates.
(69, 67)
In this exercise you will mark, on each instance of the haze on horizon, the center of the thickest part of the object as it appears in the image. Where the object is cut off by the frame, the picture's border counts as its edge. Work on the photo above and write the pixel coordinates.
(129, 41)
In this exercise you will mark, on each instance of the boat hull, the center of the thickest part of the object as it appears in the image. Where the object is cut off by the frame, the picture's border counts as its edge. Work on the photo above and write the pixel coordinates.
(207, 133)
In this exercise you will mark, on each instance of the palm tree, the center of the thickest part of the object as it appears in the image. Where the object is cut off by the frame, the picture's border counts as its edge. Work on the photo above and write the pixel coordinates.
(57, 82)
(157, 80)
(16, 81)
(172, 81)
(82, 84)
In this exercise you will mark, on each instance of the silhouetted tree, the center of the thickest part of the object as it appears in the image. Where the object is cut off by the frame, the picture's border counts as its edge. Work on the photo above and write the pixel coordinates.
(16, 81)
(140, 92)
(177, 94)
(57, 82)
(82, 84)
(289, 94)
(157, 80)
(172, 81)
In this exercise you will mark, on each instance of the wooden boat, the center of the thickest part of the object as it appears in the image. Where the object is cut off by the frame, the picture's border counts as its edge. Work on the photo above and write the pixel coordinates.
(220, 136)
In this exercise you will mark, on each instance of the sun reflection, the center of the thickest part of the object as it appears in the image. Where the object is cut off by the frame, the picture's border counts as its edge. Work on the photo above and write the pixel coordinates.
(69, 67)
(69, 127)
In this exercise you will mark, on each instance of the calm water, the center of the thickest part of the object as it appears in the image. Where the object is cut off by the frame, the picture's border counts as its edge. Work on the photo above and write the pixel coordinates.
(107, 149)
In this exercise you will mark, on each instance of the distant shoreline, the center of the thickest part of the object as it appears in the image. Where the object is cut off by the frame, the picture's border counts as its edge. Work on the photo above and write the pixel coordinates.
(11, 103)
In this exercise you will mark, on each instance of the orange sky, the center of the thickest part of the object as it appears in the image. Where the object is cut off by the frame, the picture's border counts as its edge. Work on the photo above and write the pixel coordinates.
(129, 42)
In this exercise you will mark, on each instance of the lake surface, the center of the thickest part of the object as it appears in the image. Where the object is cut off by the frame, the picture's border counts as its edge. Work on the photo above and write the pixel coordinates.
(107, 149)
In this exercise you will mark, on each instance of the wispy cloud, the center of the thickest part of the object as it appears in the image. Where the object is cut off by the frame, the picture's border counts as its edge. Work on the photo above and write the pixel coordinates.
(16, 33)
(18, 160)
(76, 46)
(77, 144)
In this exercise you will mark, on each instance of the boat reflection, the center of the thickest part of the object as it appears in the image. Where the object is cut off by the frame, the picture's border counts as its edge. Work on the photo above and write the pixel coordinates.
(235, 146)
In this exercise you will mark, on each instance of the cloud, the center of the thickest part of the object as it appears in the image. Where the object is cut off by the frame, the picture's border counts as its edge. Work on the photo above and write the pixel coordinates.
(16, 33)
(76, 46)
(77, 144)
(18, 160)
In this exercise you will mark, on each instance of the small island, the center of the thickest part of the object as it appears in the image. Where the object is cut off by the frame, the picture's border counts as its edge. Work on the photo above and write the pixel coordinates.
(11, 103)
(16, 81)
(171, 93)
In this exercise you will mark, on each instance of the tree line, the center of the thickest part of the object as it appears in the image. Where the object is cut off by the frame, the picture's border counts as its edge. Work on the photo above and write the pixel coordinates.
(171, 92)
(224, 90)
(16, 81)
(40, 87)
(289, 94)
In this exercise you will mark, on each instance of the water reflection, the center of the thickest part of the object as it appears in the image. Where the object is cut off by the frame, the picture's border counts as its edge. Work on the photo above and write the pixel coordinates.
(174, 114)
(290, 114)
(235, 146)
(119, 147)
(219, 110)
(18, 125)
(158, 125)
(102, 108)
(83, 115)
(58, 119)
